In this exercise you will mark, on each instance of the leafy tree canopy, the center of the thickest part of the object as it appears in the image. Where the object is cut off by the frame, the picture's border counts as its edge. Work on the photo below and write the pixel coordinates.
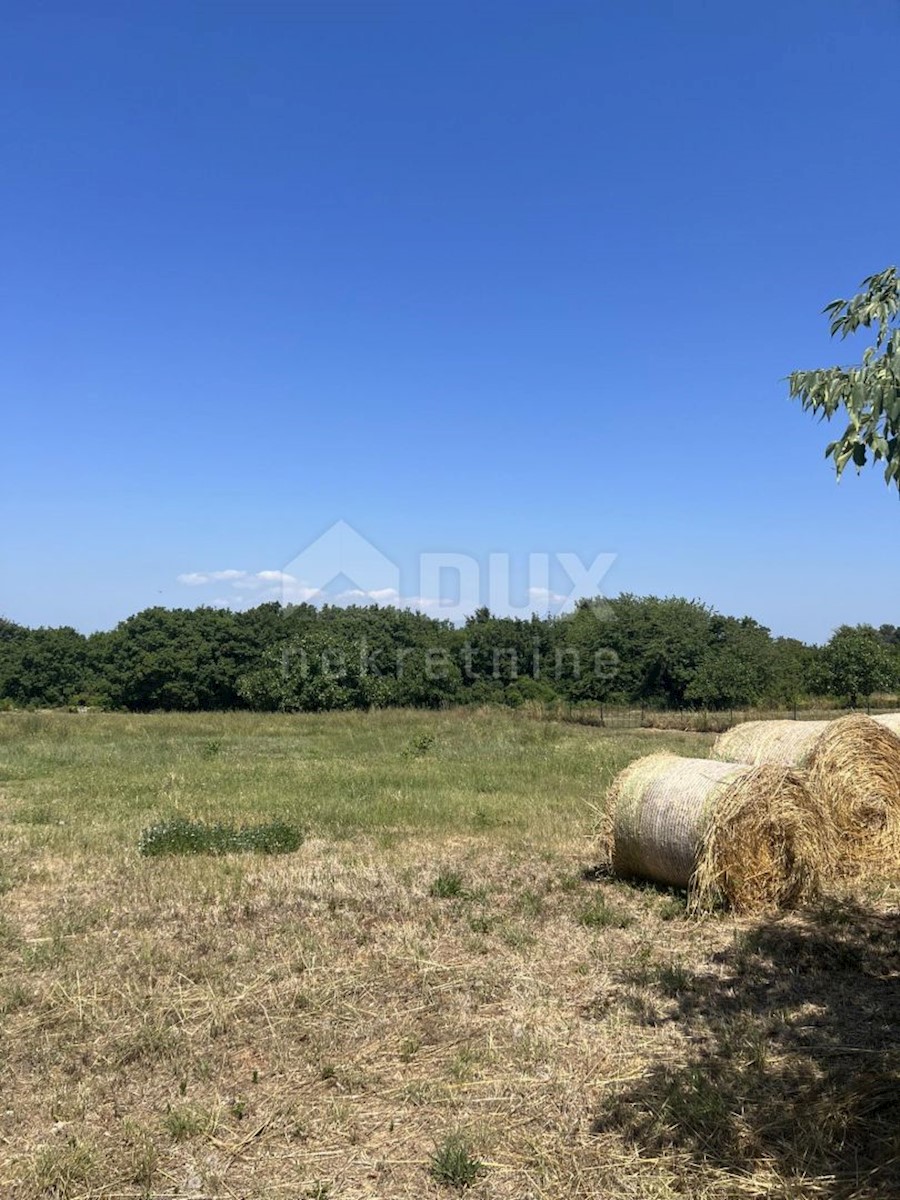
(857, 664)
(664, 652)
(737, 667)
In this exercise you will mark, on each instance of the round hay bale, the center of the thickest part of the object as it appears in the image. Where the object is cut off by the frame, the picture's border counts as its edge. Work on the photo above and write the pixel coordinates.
(854, 769)
(750, 837)
(758, 742)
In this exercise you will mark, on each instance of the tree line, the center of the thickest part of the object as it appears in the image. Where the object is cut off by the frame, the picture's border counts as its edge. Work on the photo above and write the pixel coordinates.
(660, 652)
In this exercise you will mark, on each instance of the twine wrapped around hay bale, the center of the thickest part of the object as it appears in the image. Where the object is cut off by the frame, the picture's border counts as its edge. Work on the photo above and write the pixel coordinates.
(750, 837)
(854, 770)
(758, 742)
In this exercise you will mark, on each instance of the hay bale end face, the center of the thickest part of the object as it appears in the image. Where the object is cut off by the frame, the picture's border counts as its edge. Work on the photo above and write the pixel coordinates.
(854, 770)
(750, 837)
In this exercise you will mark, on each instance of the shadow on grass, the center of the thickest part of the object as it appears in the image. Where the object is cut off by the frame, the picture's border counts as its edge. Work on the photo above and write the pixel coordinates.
(791, 1062)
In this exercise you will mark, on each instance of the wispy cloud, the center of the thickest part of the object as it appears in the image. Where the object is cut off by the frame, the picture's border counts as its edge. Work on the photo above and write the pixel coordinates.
(197, 578)
(379, 595)
(385, 596)
(275, 577)
(257, 587)
(250, 581)
(263, 579)
(543, 595)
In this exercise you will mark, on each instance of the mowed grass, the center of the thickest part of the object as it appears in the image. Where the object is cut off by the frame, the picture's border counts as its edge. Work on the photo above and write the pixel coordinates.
(436, 993)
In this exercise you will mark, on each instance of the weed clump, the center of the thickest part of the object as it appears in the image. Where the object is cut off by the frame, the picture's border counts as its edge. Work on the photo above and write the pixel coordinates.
(449, 885)
(598, 913)
(419, 746)
(452, 1163)
(181, 836)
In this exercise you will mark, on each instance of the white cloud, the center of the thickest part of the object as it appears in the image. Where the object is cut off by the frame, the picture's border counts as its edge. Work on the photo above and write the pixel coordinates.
(275, 577)
(297, 593)
(196, 578)
(258, 587)
(544, 595)
(387, 596)
(377, 595)
(420, 602)
(264, 580)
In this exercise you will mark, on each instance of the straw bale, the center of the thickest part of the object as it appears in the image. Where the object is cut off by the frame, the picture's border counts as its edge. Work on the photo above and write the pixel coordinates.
(854, 770)
(749, 837)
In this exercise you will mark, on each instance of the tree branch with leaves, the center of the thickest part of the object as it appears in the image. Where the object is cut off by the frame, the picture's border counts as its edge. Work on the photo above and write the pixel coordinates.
(869, 392)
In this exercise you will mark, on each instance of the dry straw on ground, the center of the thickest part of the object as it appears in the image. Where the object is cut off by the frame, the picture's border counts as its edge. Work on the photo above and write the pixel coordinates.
(890, 721)
(751, 837)
(854, 770)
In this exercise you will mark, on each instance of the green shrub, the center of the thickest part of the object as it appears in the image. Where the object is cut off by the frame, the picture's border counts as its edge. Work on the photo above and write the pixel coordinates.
(275, 838)
(181, 836)
(419, 745)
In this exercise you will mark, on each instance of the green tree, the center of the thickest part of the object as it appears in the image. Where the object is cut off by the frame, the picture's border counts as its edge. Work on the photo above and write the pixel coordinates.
(869, 392)
(856, 664)
(10, 631)
(795, 671)
(587, 664)
(45, 667)
(357, 657)
(499, 652)
(317, 672)
(179, 658)
(660, 643)
(738, 667)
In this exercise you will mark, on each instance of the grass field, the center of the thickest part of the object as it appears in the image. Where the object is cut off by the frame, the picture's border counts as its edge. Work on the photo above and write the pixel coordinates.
(436, 990)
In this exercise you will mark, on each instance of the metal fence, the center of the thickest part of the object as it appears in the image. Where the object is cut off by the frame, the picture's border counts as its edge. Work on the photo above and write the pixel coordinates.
(625, 717)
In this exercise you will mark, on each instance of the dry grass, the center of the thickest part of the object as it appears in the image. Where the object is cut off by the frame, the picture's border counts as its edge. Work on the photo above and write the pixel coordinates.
(325, 1023)
(263, 1028)
(791, 1081)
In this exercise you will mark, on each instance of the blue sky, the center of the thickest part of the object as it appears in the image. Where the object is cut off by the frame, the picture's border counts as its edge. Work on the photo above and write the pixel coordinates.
(475, 278)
